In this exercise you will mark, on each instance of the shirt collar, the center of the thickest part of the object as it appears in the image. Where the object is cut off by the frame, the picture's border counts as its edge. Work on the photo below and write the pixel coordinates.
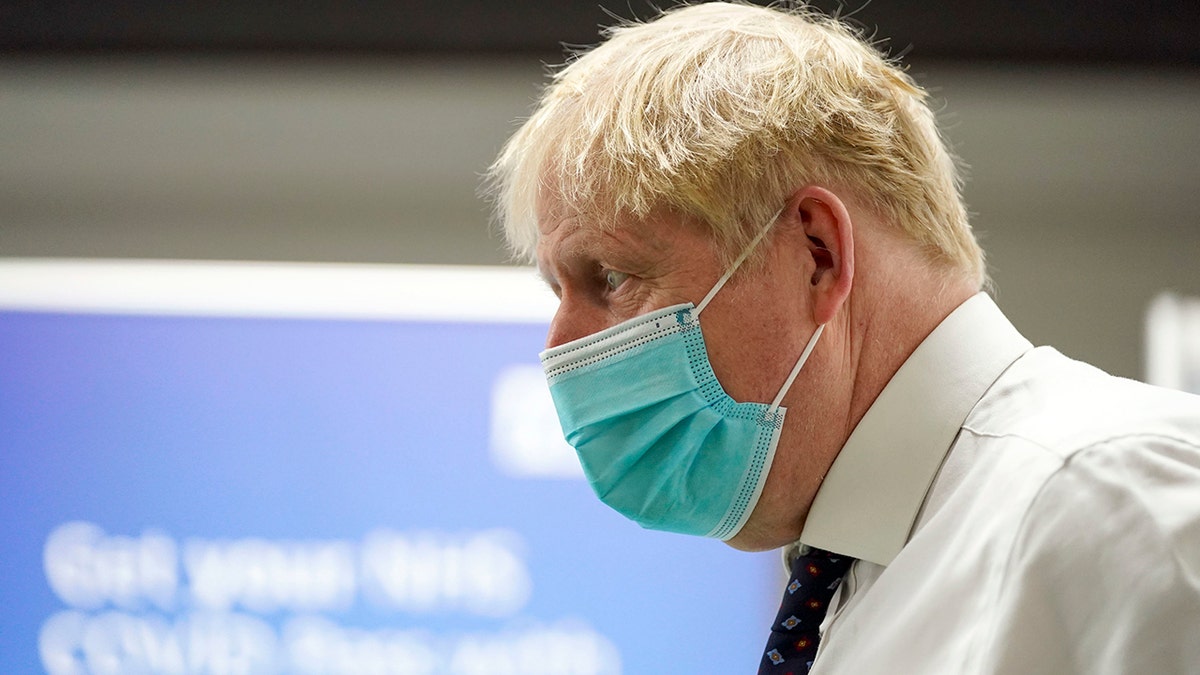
(869, 500)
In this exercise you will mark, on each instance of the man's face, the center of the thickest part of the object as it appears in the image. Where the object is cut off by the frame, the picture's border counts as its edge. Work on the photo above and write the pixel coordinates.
(605, 277)
(754, 328)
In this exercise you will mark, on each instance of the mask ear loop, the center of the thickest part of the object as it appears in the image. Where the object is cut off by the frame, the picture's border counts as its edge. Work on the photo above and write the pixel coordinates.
(737, 263)
(812, 342)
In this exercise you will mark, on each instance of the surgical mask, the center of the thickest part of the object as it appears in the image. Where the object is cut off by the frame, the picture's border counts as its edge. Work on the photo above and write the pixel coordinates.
(659, 439)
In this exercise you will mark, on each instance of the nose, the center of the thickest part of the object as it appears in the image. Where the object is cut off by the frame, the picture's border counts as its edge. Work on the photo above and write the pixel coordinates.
(572, 321)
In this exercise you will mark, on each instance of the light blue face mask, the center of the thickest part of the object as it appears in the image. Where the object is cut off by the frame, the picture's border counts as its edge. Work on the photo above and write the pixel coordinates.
(659, 439)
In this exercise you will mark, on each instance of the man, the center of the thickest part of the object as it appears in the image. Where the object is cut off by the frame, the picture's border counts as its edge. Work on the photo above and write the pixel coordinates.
(850, 394)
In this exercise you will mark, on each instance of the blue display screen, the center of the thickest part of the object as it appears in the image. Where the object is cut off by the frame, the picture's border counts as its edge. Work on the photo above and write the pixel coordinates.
(243, 495)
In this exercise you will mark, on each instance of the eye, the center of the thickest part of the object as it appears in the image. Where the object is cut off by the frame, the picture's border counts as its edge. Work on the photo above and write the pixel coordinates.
(613, 279)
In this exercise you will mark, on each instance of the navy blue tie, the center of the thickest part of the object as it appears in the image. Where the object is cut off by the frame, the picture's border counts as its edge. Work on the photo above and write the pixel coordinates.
(792, 646)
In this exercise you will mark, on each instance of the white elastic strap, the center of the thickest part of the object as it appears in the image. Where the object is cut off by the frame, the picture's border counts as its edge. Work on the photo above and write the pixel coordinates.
(737, 263)
(812, 342)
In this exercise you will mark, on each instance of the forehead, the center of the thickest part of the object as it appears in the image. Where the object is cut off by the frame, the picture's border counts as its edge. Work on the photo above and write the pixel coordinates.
(656, 232)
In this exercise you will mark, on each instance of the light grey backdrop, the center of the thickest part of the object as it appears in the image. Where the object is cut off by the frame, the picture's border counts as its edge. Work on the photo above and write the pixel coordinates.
(1084, 183)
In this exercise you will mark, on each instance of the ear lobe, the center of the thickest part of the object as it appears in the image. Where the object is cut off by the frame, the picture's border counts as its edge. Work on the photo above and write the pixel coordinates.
(830, 231)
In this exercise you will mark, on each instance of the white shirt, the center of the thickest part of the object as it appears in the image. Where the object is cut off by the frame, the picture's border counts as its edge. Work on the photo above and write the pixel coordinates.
(1013, 511)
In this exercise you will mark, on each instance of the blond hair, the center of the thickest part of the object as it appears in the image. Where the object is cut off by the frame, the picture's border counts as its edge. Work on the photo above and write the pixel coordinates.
(719, 112)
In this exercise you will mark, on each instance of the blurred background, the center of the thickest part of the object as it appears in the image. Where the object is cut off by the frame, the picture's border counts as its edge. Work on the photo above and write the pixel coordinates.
(157, 469)
(356, 132)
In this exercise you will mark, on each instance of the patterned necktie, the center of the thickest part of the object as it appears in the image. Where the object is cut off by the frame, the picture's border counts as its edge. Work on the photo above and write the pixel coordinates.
(793, 642)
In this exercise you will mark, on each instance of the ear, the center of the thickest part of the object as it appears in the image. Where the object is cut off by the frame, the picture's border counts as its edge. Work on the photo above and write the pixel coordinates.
(830, 240)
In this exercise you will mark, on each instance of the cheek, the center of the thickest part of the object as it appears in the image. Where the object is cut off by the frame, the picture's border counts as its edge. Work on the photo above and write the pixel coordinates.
(746, 360)
(753, 349)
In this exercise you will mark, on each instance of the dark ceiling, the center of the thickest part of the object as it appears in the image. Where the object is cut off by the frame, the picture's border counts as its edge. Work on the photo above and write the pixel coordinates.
(1073, 31)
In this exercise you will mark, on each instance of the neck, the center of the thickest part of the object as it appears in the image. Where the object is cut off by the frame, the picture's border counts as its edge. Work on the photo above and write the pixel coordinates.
(884, 329)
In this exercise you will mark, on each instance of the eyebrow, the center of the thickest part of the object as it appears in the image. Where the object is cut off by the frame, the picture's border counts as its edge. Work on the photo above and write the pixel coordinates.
(594, 247)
